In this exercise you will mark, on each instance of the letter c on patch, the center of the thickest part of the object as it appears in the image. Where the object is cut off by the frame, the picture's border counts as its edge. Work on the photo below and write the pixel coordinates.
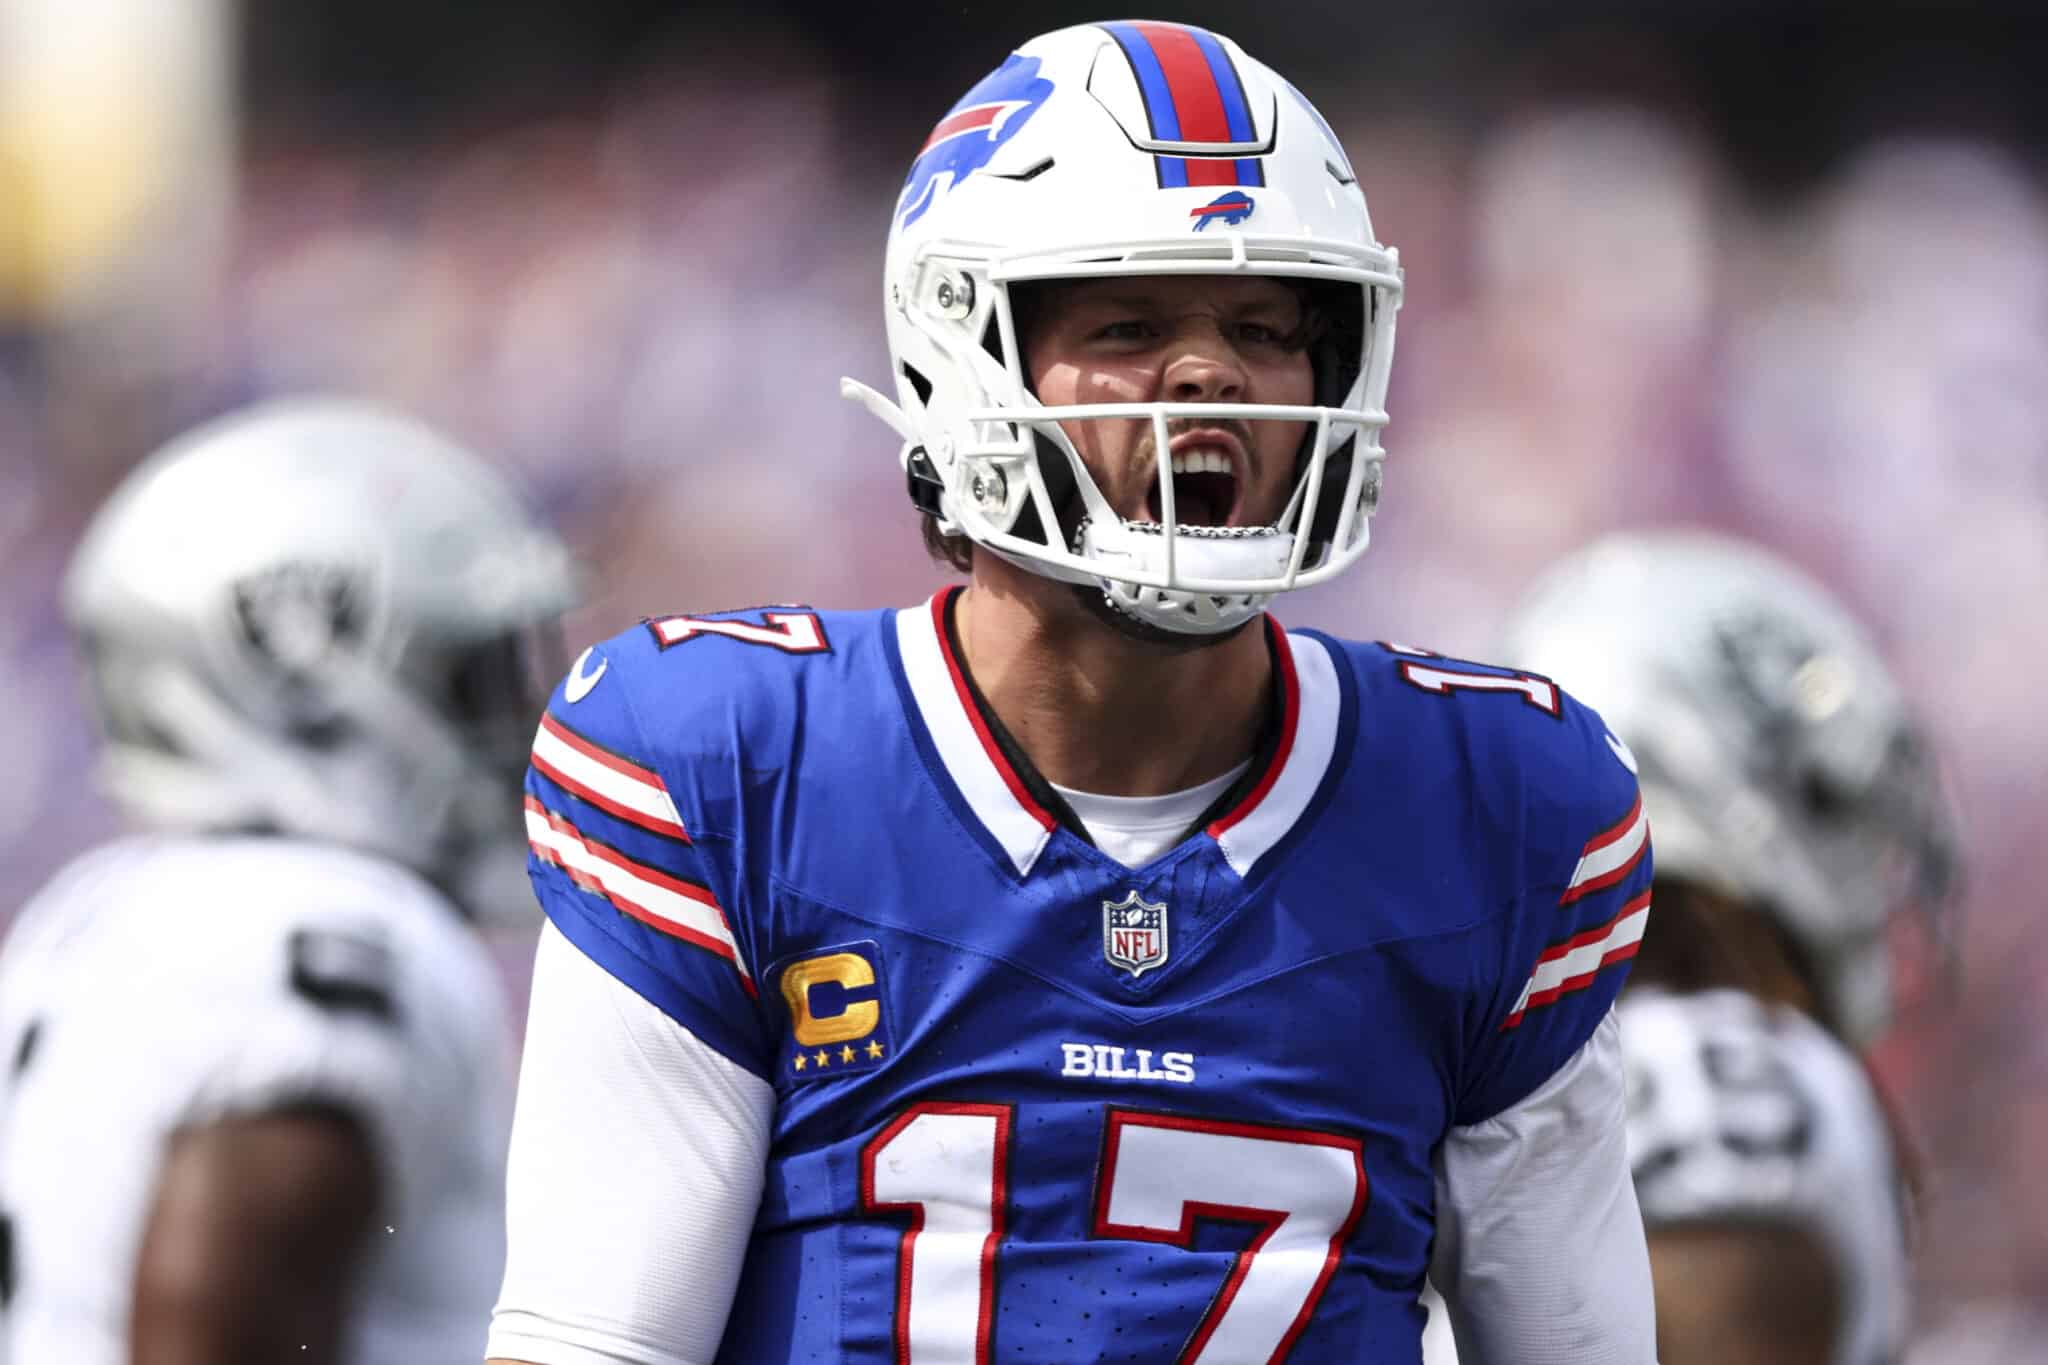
(817, 991)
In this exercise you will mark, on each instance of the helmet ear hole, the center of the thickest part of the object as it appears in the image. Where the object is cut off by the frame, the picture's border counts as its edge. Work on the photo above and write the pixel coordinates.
(1336, 324)
(1330, 500)
(1059, 487)
(918, 382)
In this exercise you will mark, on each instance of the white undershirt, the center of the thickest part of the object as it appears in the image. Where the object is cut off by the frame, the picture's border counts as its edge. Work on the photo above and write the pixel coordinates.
(1136, 829)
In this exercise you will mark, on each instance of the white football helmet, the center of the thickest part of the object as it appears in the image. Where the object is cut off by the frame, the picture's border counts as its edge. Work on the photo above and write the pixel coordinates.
(321, 619)
(1778, 760)
(1741, 1112)
(1120, 149)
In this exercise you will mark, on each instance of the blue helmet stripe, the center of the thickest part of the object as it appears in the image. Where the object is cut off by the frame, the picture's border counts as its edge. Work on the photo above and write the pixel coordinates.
(1159, 106)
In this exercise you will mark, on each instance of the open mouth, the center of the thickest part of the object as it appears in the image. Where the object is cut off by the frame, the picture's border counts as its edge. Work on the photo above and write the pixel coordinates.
(1205, 488)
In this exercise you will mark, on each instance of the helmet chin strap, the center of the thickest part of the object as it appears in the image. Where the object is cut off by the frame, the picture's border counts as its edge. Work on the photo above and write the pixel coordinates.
(1099, 604)
(1213, 552)
(1095, 532)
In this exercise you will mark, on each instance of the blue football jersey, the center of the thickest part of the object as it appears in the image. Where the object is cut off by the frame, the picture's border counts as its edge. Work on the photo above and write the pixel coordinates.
(1033, 1104)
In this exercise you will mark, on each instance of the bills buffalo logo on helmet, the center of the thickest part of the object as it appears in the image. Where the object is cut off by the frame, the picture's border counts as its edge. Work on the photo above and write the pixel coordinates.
(969, 136)
(1231, 209)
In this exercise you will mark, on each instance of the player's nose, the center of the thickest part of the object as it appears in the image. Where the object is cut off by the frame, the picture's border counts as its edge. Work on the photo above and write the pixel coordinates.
(1202, 366)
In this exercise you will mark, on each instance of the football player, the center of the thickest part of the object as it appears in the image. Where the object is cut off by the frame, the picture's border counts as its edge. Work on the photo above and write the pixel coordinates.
(1802, 833)
(1078, 965)
(1767, 1176)
(255, 1070)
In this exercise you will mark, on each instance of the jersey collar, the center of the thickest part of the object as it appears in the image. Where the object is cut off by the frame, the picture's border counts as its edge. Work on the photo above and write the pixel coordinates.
(1018, 808)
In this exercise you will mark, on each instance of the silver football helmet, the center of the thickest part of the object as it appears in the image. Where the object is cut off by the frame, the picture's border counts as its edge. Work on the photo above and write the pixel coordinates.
(315, 617)
(1779, 763)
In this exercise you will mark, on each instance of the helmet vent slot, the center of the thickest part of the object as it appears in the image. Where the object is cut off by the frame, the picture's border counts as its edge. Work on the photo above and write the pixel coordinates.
(1031, 172)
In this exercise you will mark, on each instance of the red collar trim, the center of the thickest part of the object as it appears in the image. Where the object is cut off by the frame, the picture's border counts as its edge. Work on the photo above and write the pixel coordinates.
(1022, 793)
(1290, 720)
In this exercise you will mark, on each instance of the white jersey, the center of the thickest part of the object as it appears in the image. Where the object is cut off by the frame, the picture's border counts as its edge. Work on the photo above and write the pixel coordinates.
(1742, 1110)
(1738, 1110)
(164, 982)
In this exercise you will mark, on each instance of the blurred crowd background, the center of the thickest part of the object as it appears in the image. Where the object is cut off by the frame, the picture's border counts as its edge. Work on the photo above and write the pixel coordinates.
(1780, 269)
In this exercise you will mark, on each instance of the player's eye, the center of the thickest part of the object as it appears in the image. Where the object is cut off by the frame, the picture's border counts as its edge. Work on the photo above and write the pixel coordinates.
(1126, 329)
(1261, 333)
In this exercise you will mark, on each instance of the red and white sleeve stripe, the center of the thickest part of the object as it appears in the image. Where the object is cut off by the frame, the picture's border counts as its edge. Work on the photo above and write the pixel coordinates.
(676, 907)
(1572, 964)
(1610, 855)
(611, 782)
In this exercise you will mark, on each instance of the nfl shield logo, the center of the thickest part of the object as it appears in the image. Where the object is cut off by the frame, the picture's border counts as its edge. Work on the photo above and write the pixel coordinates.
(1134, 934)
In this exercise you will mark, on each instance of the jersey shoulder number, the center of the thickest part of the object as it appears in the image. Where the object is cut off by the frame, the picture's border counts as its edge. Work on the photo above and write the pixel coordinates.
(1443, 676)
(793, 629)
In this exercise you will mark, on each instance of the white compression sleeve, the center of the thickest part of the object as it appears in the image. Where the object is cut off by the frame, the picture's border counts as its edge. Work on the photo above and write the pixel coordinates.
(638, 1154)
(1540, 1251)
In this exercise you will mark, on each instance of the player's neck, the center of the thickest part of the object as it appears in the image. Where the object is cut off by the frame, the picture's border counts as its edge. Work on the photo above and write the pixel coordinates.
(1097, 711)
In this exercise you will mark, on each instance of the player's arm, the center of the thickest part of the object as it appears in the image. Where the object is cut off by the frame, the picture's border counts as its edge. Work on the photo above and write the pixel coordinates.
(259, 1226)
(640, 1138)
(638, 1156)
(1540, 1251)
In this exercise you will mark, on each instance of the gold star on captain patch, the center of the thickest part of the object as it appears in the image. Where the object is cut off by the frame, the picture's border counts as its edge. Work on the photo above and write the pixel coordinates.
(802, 1061)
(874, 1048)
(821, 1058)
(846, 1053)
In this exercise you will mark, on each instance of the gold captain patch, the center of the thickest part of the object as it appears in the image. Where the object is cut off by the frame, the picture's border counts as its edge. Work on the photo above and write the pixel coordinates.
(837, 1019)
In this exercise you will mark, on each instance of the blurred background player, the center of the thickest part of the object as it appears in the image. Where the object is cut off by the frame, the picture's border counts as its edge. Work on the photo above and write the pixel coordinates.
(1802, 834)
(255, 1080)
(1767, 1177)
(1802, 829)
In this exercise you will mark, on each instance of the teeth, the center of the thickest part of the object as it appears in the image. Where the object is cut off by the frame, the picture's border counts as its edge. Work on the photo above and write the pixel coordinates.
(1201, 460)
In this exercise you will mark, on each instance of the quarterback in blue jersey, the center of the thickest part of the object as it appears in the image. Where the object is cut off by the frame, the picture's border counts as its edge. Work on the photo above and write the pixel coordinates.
(1078, 966)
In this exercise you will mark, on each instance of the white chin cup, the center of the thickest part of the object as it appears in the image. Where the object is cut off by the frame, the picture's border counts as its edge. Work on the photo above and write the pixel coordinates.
(1203, 553)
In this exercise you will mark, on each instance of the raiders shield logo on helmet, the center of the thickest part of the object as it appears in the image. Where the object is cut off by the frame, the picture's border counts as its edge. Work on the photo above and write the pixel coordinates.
(1134, 933)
